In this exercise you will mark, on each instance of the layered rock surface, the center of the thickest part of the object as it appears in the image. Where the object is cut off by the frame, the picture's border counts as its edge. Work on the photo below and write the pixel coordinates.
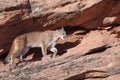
(90, 51)
(81, 56)
(22, 16)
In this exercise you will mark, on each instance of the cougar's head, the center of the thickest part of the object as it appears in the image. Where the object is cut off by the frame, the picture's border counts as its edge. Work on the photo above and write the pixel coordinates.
(62, 33)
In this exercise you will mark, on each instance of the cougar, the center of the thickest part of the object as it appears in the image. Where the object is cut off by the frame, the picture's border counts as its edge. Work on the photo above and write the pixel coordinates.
(45, 40)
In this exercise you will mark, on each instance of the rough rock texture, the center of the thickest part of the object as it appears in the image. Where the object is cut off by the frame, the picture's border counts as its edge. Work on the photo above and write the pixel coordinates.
(91, 50)
(87, 57)
(16, 16)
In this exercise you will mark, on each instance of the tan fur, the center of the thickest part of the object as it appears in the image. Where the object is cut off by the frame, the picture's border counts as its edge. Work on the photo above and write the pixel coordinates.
(45, 40)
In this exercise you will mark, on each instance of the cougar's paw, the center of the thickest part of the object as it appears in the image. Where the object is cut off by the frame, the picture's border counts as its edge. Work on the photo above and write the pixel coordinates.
(12, 66)
(54, 56)
(24, 60)
(46, 58)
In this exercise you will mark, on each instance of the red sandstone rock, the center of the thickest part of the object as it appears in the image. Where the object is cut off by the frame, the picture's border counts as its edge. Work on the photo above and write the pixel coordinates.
(99, 60)
(82, 55)
(52, 14)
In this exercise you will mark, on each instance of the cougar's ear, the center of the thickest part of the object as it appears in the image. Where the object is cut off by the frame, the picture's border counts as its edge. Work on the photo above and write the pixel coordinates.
(62, 28)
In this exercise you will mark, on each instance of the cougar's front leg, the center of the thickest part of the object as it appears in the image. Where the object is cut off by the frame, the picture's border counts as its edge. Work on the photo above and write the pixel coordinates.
(54, 50)
(44, 52)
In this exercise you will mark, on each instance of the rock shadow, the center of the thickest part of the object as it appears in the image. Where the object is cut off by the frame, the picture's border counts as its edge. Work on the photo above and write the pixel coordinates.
(37, 54)
(2, 58)
(71, 30)
(62, 48)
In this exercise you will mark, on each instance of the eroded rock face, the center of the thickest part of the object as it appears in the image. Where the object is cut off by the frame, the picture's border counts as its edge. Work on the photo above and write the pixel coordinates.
(84, 54)
(22, 16)
(95, 57)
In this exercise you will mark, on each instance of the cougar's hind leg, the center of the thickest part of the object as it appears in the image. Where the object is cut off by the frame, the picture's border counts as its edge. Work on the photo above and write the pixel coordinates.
(25, 50)
(12, 61)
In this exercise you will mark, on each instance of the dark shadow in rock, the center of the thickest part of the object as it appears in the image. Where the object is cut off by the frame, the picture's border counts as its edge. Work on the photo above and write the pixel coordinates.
(62, 48)
(84, 75)
(83, 32)
(2, 58)
(97, 50)
(37, 54)
(71, 30)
